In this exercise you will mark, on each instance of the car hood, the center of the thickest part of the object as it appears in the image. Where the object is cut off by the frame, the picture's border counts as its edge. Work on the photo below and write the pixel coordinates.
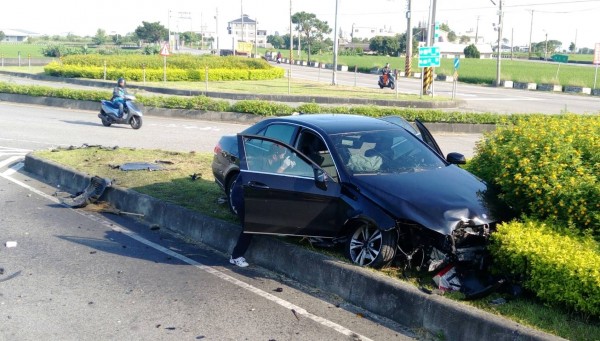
(438, 199)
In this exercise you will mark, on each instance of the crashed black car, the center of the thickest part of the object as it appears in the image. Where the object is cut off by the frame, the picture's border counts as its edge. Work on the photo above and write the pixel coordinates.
(379, 186)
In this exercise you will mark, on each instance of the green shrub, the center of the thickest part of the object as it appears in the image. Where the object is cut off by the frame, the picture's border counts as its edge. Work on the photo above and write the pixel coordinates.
(558, 269)
(262, 108)
(546, 167)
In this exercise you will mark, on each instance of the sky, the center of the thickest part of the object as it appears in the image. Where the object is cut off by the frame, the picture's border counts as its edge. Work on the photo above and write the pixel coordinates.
(563, 20)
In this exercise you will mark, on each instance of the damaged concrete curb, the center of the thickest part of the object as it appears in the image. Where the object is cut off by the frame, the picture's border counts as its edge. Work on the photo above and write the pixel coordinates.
(377, 293)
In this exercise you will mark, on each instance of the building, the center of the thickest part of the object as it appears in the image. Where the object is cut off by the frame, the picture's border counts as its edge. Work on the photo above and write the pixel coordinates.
(17, 36)
(451, 50)
(366, 32)
(245, 29)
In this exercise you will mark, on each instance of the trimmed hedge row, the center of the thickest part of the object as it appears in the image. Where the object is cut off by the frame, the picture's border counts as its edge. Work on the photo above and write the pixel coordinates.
(559, 269)
(262, 108)
(547, 167)
(178, 61)
(157, 74)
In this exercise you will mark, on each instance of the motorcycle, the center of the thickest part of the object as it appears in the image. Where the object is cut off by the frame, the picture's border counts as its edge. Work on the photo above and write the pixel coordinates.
(387, 80)
(132, 115)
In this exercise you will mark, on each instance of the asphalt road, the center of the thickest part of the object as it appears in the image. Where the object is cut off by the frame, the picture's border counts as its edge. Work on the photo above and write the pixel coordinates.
(476, 98)
(80, 275)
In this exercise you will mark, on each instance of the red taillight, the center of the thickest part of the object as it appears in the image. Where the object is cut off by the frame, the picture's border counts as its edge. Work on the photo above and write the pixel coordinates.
(218, 149)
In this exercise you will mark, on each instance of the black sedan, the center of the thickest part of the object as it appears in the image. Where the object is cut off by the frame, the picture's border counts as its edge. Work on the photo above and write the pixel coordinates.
(377, 185)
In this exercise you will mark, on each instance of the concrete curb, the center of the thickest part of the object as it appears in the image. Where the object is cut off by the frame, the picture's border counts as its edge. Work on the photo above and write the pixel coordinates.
(381, 295)
(212, 115)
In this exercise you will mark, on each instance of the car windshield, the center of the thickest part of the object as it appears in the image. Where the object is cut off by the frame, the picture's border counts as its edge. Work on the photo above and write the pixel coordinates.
(384, 152)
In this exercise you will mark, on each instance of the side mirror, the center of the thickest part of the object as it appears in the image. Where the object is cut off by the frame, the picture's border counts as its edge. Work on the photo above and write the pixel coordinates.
(320, 178)
(456, 158)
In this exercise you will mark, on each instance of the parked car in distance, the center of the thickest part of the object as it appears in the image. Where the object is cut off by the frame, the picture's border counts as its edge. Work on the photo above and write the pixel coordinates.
(379, 186)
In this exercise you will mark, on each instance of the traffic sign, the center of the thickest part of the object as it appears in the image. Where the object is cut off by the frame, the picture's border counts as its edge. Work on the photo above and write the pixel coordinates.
(560, 58)
(164, 51)
(456, 63)
(429, 56)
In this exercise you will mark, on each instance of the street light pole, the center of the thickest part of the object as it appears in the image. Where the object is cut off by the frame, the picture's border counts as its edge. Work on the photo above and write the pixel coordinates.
(335, 44)
(291, 57)
(409, 39)
(530, 31)
(546, 49)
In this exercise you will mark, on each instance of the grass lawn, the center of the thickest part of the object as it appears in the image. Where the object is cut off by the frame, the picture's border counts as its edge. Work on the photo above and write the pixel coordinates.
(174, 184)
(12, 50)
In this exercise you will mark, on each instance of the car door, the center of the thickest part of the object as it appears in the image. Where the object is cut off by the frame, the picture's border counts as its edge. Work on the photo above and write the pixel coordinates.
(302, 201)
(428, 138)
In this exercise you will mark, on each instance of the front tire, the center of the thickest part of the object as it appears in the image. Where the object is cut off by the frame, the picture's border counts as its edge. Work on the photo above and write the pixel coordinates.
(369, 246)
(106, 123)
(135, 122)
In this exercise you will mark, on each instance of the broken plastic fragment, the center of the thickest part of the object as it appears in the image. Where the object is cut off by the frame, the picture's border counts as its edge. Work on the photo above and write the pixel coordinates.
(11, 244)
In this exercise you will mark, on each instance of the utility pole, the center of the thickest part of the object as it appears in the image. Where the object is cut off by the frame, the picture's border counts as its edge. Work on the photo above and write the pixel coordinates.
(477, 31)
(242, 10)
(499, 56)
(530, 31)
(409, 39)
(335, 44)
(291, 57)
(217, 28)
(546, 49)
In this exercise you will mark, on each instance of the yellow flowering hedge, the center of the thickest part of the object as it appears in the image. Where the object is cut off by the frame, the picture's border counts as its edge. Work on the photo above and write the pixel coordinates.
(546, 167)
(559, 269)
(157, 74)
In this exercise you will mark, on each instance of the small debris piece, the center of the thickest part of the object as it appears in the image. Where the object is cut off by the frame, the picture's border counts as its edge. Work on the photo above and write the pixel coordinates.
(155, 228)
(166, 162)
(295, 314)
(11, 244)
(170, 328)
(498, 301)
(90, 303)
(1, 271)
(196, 176)
(278, 290)
(221, 201)
(91, 193)
(158, 325)
(360, 315)
(92, 252)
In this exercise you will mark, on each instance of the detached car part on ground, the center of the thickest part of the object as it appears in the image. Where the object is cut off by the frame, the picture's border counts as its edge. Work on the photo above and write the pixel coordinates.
(377, 185)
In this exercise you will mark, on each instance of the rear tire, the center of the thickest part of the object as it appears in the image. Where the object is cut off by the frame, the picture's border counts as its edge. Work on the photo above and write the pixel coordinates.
(105, 123)
(135, 122)
(369, 246)
(229, 191)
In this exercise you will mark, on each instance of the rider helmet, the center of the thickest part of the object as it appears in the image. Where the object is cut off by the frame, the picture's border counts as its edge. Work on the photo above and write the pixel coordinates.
(121, 80)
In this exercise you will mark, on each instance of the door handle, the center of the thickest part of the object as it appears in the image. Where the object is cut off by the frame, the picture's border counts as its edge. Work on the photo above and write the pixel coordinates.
(258, 185)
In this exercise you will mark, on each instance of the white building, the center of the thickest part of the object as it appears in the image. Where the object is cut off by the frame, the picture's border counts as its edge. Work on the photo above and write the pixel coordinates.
(245, 29)
(368, 32)
(17, 36)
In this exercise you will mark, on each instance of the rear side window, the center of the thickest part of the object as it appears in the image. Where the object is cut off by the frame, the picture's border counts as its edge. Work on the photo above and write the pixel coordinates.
(281, 132)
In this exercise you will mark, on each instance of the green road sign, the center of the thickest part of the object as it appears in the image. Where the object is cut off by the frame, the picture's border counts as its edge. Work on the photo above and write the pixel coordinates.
(429, 56)
(560, 58)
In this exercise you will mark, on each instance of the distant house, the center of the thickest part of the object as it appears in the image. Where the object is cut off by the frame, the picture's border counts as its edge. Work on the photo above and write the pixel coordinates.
(368, 32)
(17, 36)
(244, 29)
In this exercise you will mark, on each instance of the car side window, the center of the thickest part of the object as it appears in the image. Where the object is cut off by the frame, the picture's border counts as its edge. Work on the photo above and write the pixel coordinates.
(281, 132)
(274, 158)
(315, 149)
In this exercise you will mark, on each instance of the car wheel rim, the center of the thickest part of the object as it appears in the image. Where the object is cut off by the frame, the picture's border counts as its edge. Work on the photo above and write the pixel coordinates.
(365, 245)
(231, 202)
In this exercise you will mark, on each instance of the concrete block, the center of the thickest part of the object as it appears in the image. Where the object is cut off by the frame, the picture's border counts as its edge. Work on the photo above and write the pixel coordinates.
(444, 78)
(549, 87)
(578, 89)
(506, 84)
(595, 92)
(525, 86)
(417, 75)
(342, 67)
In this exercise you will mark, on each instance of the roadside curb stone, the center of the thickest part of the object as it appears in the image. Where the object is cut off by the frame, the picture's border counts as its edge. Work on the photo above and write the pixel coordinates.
(377, 293)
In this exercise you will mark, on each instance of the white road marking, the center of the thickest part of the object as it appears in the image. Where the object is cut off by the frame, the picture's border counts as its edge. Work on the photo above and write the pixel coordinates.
(512, 99)
(12, 170)
(299, 310)
(10, 160)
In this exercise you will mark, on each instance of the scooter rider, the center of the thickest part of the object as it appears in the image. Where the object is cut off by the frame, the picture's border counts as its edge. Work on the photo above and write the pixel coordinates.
(119, 92)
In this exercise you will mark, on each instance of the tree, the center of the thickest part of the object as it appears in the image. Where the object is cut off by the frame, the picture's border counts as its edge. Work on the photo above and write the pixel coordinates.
(2, 35)
(471, 51)
(312, 28)
(100, 37)
(190, 37)
(152, 32)
(276, 40)
(386, 46)
(452, 36)
(464, 39)
(572, 47)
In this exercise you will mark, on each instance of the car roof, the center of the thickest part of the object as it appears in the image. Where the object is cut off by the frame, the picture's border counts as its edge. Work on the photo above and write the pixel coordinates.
(337, 123)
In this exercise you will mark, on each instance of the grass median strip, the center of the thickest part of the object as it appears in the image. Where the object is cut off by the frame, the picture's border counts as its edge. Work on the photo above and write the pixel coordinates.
(187, 180)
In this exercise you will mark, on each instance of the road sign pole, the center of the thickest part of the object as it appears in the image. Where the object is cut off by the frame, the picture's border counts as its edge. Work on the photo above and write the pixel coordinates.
(595, 76)
(422, 76)
(164, 68)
